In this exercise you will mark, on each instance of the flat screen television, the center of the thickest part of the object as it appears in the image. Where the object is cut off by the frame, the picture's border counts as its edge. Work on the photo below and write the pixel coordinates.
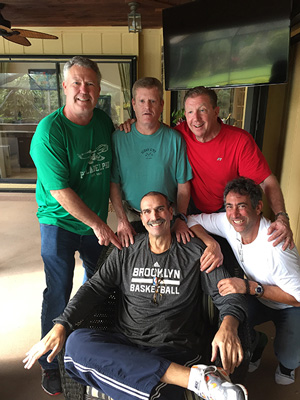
(226, 43)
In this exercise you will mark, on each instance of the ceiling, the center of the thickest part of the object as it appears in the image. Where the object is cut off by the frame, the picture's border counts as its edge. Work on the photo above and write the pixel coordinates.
(23, 13)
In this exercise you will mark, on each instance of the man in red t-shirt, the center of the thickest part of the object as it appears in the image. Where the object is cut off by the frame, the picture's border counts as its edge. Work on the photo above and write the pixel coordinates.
(219, 153)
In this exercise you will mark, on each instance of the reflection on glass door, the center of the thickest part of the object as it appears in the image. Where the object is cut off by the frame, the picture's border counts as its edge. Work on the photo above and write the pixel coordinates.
(27, 95)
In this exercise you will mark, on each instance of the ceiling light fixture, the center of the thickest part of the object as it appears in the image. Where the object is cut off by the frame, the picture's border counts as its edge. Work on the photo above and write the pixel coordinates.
(134, 18)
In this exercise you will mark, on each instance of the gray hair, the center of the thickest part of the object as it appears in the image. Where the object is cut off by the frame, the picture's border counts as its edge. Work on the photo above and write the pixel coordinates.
(154, 193)
(202, 91)
(148, 83)
(82, 62)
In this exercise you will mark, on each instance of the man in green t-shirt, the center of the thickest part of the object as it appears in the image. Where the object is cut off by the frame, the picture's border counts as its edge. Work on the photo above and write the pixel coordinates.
(71, 149)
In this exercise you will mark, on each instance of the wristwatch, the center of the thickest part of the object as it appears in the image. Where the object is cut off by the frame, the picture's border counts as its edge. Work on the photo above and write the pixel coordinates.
(284, 214)
(182, 217)
(259, 290)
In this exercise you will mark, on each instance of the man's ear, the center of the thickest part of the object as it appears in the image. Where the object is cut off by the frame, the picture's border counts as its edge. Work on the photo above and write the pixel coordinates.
(64, 85)
(259, 207)
(141, 219)
(217, 110)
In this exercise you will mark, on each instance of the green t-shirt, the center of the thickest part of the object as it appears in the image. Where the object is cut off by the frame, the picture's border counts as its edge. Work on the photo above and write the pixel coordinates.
(144, 163)
(68, 155)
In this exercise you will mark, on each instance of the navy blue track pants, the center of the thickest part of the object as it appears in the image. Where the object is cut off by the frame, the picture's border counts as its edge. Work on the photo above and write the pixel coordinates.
(110, 363)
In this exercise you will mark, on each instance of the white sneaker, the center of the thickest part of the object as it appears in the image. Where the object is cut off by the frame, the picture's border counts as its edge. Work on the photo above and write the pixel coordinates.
(215, 384)
(283, 379)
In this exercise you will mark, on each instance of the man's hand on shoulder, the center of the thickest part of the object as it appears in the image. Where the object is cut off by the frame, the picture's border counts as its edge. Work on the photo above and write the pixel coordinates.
(212, 257)
(281, 232)
(182, 231)
(54, 340)
(126, 233)
(126, 126)
(105, 235)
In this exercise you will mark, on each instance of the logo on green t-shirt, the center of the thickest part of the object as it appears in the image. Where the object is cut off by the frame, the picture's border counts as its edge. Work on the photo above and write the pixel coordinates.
(94, 160)
(94, 155)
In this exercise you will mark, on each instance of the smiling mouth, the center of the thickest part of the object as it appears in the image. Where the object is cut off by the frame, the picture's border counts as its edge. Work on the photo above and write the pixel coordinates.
(198, 126)
(156, 223)
(237, 221)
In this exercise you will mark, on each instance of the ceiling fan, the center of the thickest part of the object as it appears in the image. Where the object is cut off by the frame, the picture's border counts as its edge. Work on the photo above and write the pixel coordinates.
(19, 36)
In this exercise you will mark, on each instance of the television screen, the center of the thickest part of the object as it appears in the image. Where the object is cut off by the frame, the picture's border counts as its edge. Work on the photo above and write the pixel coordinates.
(226, 43)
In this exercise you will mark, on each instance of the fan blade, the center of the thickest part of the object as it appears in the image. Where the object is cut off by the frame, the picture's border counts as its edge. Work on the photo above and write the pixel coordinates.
(5, 28)
(34, 34)
(18, 39)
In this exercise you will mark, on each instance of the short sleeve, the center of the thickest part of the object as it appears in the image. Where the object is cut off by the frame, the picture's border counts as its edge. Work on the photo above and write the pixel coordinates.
(50, 158)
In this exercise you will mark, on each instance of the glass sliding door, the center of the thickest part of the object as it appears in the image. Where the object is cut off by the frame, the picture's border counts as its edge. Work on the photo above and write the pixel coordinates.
(27, 94)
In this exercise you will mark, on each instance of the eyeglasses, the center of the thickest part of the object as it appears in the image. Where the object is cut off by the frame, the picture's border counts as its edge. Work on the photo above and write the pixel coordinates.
(157, 283)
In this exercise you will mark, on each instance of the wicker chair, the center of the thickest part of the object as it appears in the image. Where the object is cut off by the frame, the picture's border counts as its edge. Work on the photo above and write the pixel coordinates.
(104, 319)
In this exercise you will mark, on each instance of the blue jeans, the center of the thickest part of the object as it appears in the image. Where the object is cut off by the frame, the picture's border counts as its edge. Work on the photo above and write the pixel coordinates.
(287, 323)
(58, 247)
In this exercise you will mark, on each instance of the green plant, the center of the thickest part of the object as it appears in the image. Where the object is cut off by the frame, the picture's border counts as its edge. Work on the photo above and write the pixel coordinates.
(178, 116)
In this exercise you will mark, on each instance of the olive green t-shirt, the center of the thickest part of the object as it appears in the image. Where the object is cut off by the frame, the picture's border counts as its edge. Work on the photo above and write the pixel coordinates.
(68, 155)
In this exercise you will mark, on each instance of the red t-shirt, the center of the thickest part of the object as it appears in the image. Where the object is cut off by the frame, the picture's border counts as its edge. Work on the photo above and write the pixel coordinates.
(232, 153)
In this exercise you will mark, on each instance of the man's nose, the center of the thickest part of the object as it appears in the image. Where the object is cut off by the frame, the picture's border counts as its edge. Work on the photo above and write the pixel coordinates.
(198, 115)
(84, 88)
(236, 212)
(154, 214)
